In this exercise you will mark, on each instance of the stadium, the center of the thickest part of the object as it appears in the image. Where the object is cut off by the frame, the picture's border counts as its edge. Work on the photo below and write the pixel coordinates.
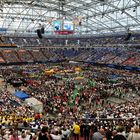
(69, 69)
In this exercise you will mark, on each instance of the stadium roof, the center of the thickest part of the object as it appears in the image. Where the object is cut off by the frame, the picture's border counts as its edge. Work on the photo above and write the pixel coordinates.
(89, 16)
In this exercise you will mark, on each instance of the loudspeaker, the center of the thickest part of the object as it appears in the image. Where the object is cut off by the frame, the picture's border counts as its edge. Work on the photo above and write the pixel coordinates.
(42, 30)
(128, 36)
(80, 23)
(39, 33)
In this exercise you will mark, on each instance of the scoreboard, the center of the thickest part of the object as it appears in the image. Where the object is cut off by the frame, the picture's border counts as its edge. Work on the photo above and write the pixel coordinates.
(63, 27)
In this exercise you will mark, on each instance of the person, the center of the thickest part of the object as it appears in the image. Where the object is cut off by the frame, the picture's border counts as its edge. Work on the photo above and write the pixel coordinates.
(86, 131)
(99, 135)
(76, 131)
(135, 134)
(108, 134)
(13, 136)
(114, 133)
(82, 125)
(43, 135)
(119, 135)
(57, 135)
(24, 136)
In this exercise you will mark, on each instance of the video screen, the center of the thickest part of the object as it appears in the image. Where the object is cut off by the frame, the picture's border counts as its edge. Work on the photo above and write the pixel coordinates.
(68, 25)
(57, 25)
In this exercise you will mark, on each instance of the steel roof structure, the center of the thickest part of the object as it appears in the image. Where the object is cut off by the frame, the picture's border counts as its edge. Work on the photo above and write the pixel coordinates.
(94, 16)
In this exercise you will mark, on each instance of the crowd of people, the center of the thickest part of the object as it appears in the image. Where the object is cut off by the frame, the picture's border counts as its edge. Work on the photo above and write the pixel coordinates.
(77, 103)
(104, 55)
(80, 101)
(66, 129)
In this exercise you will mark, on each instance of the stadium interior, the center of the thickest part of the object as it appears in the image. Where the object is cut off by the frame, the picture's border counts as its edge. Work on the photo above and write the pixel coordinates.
(69, 70)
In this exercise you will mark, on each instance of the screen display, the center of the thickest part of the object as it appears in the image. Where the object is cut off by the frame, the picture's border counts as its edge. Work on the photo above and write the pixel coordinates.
(57, 25)
(68, 25)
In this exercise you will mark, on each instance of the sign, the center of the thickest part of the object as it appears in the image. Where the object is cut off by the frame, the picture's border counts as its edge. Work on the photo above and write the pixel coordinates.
(63, 32)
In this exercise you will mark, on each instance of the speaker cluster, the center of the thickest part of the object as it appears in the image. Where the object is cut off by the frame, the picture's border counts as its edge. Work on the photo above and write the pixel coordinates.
(128, 36)
(40, 32)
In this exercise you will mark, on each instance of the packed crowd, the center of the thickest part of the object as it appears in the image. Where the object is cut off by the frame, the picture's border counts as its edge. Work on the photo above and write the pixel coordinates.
(9, 56)
(92, 103)
(55, 129)
(104, 55)
(84, 104)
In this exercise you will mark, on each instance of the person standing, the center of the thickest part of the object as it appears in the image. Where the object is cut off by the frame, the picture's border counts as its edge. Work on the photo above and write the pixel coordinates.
(99, 135)
(76, 131)
(86, 131)
(43, 135)
(120, 135)
(134, 135)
